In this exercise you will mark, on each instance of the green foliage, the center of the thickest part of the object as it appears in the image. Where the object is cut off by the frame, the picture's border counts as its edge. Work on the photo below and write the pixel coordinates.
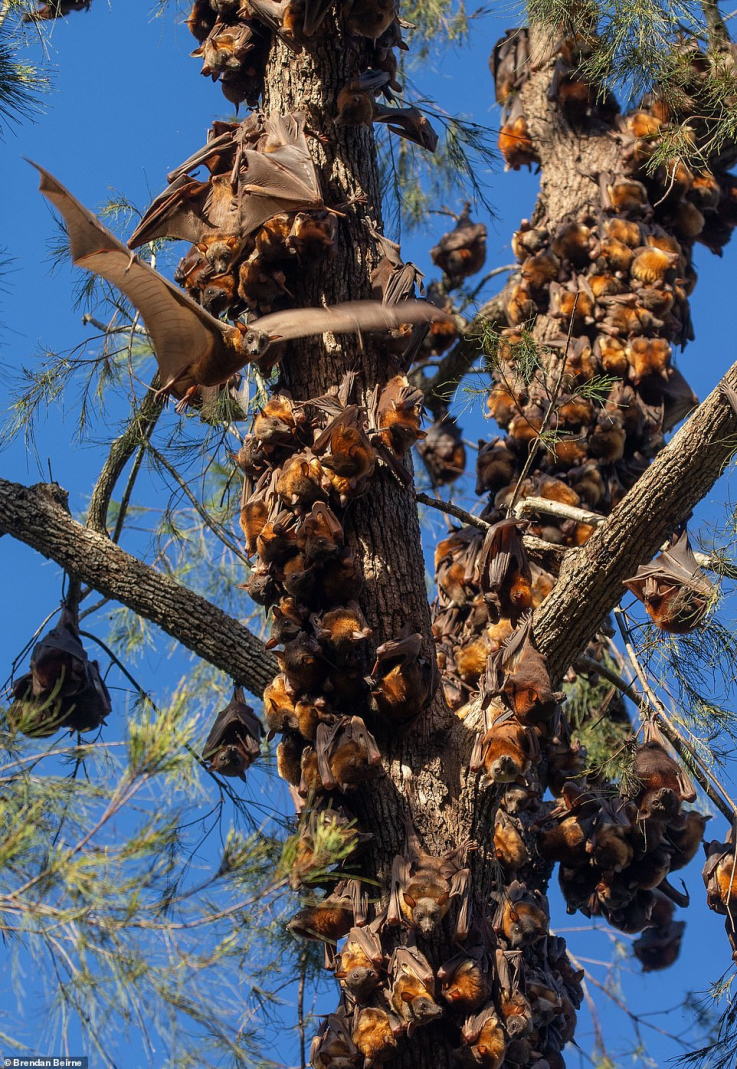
(599, 720)
(22, 85)
(103, 881)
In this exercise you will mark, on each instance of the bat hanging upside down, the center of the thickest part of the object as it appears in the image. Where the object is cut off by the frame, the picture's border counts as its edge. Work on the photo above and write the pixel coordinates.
(192, 347)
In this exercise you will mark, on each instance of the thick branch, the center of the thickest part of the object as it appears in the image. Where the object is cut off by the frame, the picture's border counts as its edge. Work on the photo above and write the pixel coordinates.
(590, 582)
(38, 516)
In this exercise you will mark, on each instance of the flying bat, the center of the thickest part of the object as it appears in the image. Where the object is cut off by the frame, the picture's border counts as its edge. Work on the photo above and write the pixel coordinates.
(192, 347)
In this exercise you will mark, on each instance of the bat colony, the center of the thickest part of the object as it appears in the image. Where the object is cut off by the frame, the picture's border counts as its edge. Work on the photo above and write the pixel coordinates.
(617, 278)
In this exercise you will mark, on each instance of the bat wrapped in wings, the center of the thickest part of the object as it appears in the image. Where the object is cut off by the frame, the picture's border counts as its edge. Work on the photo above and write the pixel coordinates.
(194, 349)
(674, 589)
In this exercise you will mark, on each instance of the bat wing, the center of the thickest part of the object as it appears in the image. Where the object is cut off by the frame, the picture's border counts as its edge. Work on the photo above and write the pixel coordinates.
(224, 142)
(278, 179)
(351, 317)
(175, 213)
(181, 331)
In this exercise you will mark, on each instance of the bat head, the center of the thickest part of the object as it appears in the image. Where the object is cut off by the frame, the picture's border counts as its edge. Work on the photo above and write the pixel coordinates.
(423, 1009)
(229, 761)
(253, 342)
(361, 981)
(427, 913)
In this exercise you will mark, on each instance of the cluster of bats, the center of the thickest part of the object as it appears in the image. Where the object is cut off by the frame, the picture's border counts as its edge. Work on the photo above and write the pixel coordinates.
(509, 989)
(63, 687)
(47, 10)
(235, 36)
(303, 466)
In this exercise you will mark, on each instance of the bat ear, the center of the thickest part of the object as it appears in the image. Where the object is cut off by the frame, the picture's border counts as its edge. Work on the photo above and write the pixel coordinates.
(442, 899)
(410, 901)
(274, 337)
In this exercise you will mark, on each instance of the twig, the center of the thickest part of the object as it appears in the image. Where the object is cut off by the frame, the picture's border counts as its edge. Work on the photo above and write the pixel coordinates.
(202, 512)
(557, 508)
(301, 1012)
(704, 776)
(535, 445)
(135, 434)
(452, 510)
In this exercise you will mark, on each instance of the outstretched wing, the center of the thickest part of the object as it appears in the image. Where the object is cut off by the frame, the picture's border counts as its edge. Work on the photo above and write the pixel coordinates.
(351, 317)
(181, 331)
(280, 175)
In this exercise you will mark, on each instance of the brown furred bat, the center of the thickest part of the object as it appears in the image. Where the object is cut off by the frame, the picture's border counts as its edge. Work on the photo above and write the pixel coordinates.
(333, 1047)
(443, 452)
(674, 589)
(343, 630)
(523, 916)
(320, 534)
(63, 688)
(234, 740)
(413, 988)
(192, 347)
(664, 783)
(462, 251)
(422, 886)
(658, 948)
(484, 1041)
(361, 962)
(402, 682)
(347, 754)
(504, 571)
(508, 62)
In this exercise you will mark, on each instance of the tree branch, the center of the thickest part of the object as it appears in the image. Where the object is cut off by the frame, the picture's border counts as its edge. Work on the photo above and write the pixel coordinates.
(38, 516)
(135, 434)
(456, 363)
(591, 579)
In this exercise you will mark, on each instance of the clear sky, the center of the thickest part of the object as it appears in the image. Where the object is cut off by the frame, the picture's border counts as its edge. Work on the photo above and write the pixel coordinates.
(128, 104)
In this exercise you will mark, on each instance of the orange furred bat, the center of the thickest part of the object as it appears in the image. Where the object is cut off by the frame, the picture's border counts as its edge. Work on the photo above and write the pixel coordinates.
(523, 916)
(504, 752)
(465, 979)
(347, 754)
(413, 988)
(360, 963)
(333, 917)
(520, 673)
(720, 876)
(674, 589)
(514, 141)
(484, 1041)
(504, 571)
(402, 682)
(375, 1033)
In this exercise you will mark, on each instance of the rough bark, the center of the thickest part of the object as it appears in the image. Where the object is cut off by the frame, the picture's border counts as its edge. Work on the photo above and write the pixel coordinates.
(37, 515)
(590, 582)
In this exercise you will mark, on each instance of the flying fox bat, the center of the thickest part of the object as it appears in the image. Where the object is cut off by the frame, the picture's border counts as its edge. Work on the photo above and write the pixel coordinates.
(422, 886)
(519, 672)
(664, 783)
(413, 988)
(234, 740)
(63, 688)
(375, 1033)
(505, 576)
(347, 754)
(465, 979)
(192, 347)
(484, 1042)
(523, 916)
(272, 172)
(443, 452)
(673, 588)
(462, 251)
(360, 963)
(403, 682)
(334, 1048)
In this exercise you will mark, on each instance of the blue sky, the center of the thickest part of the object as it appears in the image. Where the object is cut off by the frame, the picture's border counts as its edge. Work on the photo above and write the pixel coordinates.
(129, 104)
